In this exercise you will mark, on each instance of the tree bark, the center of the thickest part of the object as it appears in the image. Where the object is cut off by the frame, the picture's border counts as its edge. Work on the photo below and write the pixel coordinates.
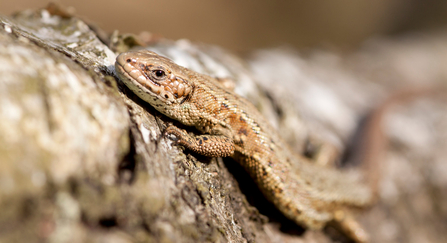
(82, 159)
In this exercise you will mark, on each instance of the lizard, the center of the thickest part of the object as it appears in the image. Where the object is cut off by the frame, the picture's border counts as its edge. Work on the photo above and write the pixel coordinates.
(309, 194)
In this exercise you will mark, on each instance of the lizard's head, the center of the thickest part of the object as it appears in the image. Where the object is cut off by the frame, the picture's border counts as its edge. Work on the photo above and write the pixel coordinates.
(154, 78)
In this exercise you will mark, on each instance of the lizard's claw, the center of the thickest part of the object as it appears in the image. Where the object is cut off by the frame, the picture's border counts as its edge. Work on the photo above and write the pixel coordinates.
(174, 133)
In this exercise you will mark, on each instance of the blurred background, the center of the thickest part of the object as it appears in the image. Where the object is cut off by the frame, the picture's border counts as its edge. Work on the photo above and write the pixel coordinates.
(242, 26)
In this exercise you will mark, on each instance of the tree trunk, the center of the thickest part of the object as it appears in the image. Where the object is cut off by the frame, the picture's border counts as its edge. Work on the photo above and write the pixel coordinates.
(82, 159)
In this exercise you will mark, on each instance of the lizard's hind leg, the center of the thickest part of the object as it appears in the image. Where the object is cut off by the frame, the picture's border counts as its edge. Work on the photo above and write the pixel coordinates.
(347, 224)
(321, 153)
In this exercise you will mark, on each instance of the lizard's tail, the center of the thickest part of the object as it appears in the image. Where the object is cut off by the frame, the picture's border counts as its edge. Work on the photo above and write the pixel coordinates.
(371, 142)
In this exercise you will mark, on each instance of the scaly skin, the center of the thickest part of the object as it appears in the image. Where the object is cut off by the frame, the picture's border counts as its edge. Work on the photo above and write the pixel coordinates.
(307, 193)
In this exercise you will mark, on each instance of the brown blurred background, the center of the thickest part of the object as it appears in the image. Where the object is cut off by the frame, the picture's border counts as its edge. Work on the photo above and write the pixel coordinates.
(247, 25)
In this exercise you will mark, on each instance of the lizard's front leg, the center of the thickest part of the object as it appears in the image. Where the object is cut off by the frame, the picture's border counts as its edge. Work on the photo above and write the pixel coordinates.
(208, 145)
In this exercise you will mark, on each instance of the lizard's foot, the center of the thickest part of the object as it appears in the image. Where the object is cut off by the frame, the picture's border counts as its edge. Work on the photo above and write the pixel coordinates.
(208, 145)
(323, 154)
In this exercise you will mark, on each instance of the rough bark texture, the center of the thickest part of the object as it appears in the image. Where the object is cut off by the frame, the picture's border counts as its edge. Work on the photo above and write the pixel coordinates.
(82, 158)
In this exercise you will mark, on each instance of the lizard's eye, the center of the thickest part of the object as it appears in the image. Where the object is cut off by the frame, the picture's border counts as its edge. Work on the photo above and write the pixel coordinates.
(158, 74)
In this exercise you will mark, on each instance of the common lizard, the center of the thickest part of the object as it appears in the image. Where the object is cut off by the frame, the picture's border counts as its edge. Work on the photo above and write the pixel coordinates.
(307, 193)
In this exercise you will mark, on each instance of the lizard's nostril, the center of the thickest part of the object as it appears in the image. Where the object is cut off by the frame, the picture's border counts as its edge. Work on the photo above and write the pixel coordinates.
(128, 60)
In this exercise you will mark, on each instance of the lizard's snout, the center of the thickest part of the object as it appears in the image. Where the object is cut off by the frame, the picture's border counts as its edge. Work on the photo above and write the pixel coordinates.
(125, 57)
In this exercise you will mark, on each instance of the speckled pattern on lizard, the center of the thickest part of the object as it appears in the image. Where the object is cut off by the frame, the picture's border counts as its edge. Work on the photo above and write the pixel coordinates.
(305, 192)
